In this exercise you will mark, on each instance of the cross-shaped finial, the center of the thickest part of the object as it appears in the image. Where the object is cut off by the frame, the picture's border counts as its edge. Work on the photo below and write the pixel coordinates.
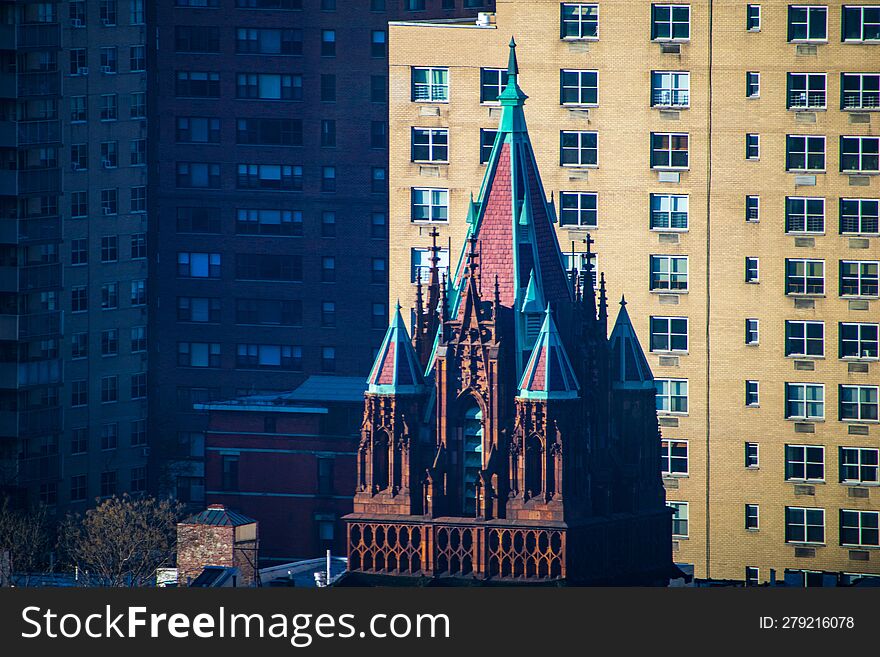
(589, 241)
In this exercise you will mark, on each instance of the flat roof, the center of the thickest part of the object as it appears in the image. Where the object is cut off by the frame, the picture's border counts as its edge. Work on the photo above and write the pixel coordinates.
(307, 398)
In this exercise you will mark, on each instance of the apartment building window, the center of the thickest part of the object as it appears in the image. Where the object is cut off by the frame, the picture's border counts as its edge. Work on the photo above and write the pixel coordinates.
(79, 393)
(753, 84)
(267, 132)
(804, 153)
(268, 312)
(109, 60)
(492, 83)
(805, 401)
(269, 177)
(378, 46)
(858, 403)
(429, 204)
(328, 5)
(430, 144)
(197, 84)
(77, 13)
(328, 359)
(670, 22)
(379, 134)
(137, 102)
(229, 472)
(79, 109)
(804, 525)
(108, 483)
(328, 314)
(138, 199)
(753, 18)
(328, 269)
(674, 458)
(110, 342)
(109, 296)
(804, 215)
(860, 91)
(753, 146)
(379, 316)
(268, 222)
(753, 209)
(807, 23)
(198, 309)
(806, 90)
(268, 41)
(669, 273)
(859, 216)
(139, 479)
(109, 154)
(580, 21)
(138, 293)
(859, 465)
(679, 518)
(265, 356)
(378, 88)
(672, 396)
(325, 475)
(197, 130)
(107, 12)
(138, 433)
(752, 451)
(752, 331)
(264, 267)
(109, 389)
(379, 180)
(379, 271)
(79, 157)
(430, 84)
(861, 23)
(109, 248)
(78, 488)
(328, 179)
(138, 339)
(198, 175)
(136, 13)
(198, 265)
(753, 270)
(487, 143)
(670, 88)
(109, 107)
(78, 61)
(137, 152)
(198, 354)
(268, 86)
(79, 299)
(420, 263)
(137, 59)
(804, 276)
(669, 211)
(804, 338)
(578, 87)
(752, 514)
(79, 205)
(804, 463)
(79, 345)
(203, 219)
(753, 393)
(138, 246)
(669, 334)
(109, 436)
(859, 528)
(578, 209)
(860, 154)
(328, 43)
(669, 150)
(579, 148)
(859, 278)
(859, 340)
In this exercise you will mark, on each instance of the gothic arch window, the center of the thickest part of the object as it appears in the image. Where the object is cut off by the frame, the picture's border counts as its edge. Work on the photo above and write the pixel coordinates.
(380, 461)
(533, 460)
(472, 458)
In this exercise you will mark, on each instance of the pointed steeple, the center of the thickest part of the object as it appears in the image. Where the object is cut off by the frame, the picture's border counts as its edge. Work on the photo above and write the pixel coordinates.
(548, 373)
(396, 370)
(533, 300)
(512, 98)
(629, 367)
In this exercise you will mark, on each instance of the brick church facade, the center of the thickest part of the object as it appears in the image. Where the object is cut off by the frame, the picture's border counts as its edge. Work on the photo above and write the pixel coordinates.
(509, 439)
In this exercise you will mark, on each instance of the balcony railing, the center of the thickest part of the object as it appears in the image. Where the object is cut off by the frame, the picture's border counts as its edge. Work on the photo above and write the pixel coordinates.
(806, 100)
(44, 228)
(39, 84)
(39, 325)
(39, 132)
(39, 35)
(671, 98)
(39, 181)
(861, 100)
(39, 277)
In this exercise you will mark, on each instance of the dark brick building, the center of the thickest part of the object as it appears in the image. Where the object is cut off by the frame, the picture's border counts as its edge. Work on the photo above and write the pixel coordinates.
(288, 461)
(269, 150)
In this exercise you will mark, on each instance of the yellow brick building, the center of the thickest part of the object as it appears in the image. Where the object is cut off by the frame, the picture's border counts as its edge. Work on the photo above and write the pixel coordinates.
(723, 158)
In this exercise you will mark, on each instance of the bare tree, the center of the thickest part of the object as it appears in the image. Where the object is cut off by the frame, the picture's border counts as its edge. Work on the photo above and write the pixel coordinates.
(122, 541)
(25, 538)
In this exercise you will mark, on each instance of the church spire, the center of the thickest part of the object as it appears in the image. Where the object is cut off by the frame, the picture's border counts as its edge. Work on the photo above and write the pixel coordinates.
(629, 367)
(549, 374)
(512, 98)
(396, 370)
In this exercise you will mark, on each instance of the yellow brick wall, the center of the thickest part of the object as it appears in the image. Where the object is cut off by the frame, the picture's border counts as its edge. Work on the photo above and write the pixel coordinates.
(624, 57)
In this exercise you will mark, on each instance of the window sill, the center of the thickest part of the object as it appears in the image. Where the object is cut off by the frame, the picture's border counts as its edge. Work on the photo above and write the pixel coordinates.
(675, 475)
(807, 172)
(670, 353)
(809, 482)
(753, 406)
(671, 40)
(576, 39)
(804, 357)
(668, 414)
(432, 163)
(794, 295)
(859, 110)
(867, 235)
(856, 359)
(858, 298)
(753, 530)
(578, 106)
(674, 169)
(817, 42)
(668, 291)
(860, 484)
(804, 234)
(580, 228)
(670, 107)
(805, 544)
(809, 420)
(579, 166)
(669, 230)
(676, 537)
(824, 108)
(430, 102)
(854, 421)
(753, 467)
